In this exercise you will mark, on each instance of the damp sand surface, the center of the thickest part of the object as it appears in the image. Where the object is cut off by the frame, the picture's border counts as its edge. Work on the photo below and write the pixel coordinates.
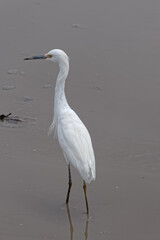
(114, 85)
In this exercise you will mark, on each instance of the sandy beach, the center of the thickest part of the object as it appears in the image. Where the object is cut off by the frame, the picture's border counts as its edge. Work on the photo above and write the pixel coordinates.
(114, 86)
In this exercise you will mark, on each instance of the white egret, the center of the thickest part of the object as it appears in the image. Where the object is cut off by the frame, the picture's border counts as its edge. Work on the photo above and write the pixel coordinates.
(73, 136)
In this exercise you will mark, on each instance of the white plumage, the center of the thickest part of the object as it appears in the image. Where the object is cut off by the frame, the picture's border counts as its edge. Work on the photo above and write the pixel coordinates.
(72, 134)
(75, 142)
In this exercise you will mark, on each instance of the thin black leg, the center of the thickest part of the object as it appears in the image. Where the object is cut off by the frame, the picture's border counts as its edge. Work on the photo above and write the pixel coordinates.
(85, 194)
(69, 184)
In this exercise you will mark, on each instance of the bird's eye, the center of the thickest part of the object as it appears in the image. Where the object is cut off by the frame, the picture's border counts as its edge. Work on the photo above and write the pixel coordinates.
(49, 56)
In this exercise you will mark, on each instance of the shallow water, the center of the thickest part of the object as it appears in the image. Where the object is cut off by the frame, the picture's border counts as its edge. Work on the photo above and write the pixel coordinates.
(113, 85)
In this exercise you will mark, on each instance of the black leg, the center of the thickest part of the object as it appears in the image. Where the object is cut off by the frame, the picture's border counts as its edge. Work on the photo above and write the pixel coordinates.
(85, 194)
(69, 184)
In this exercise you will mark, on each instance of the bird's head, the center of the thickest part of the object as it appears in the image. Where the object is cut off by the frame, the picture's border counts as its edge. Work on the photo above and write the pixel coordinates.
(55, 55)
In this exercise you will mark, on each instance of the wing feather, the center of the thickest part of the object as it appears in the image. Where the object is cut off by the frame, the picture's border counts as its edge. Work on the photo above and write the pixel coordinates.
(76, 144)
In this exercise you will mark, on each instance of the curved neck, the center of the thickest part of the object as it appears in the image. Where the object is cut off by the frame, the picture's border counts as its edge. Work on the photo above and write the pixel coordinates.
(60, 98)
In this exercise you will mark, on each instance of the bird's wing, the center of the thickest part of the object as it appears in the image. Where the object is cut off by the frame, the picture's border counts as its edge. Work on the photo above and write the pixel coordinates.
(76, 144)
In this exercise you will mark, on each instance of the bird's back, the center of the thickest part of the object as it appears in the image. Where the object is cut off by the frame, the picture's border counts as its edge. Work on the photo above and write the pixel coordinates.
(76, 144)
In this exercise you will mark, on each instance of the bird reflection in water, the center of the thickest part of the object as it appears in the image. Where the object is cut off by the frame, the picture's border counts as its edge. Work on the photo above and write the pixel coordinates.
(71, 225)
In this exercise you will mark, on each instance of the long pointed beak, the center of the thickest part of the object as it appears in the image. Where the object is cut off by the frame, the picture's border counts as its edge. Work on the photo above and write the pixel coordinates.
(36, 57)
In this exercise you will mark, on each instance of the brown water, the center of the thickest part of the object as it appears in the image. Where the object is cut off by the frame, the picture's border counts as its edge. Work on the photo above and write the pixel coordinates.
(114, 86)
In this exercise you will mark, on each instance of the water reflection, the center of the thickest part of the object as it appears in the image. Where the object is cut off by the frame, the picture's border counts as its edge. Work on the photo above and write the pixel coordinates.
(71, 225)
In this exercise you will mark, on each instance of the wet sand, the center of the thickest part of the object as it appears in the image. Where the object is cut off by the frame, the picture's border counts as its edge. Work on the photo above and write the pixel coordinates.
(114, 85)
